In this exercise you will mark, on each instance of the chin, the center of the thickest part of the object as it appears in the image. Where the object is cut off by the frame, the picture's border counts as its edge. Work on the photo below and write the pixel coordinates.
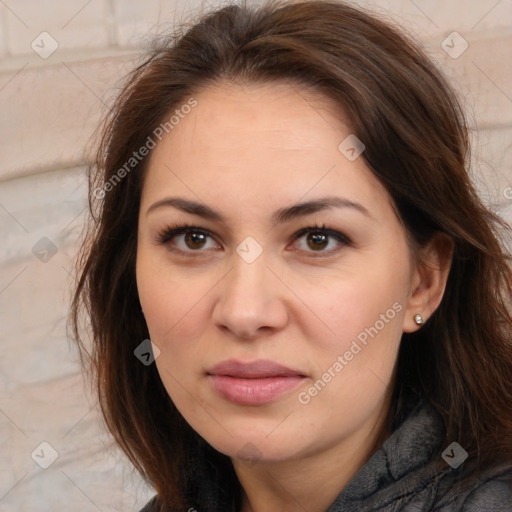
(258, 447)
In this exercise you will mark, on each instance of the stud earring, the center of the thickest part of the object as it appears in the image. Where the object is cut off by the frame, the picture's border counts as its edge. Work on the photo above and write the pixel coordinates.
(418, 319)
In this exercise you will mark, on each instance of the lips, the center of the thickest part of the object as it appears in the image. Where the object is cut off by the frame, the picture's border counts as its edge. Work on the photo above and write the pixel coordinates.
(253, 383)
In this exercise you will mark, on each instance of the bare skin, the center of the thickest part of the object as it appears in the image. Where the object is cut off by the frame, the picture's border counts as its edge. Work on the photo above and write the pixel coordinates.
(247, 152)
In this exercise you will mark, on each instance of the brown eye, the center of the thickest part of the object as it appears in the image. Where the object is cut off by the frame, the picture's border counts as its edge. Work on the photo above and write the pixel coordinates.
(187, 239)
(317, 241)
(195, 240)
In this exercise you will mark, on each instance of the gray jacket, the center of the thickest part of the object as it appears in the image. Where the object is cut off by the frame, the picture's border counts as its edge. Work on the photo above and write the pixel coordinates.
(404, 476)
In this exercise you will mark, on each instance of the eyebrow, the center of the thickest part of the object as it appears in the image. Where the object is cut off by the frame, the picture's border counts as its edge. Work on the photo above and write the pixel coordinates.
(280, 216)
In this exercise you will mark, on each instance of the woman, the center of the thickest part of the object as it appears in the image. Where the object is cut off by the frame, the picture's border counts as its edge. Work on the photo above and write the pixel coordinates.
(281, 204)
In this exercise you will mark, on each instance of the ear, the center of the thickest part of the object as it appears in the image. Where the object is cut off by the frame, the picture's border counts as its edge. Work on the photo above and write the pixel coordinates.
(428, 280)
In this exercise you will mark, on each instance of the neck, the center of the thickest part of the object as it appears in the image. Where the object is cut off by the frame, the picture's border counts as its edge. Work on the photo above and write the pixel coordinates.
(311, 482)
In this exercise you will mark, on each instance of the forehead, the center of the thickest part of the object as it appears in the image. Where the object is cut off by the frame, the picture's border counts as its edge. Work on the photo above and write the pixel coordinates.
(249, 143)
(283, 112)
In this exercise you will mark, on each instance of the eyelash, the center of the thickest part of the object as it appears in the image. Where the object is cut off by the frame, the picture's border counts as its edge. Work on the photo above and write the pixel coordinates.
(166, 234)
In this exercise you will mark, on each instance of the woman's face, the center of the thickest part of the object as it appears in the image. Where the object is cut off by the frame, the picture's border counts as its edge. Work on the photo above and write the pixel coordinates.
(272, 346)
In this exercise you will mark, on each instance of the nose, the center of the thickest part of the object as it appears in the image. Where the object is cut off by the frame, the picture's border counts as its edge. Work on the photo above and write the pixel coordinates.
(250, 301)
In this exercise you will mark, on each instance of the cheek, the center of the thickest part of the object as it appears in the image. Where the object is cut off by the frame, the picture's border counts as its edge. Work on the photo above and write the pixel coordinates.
(353, 366)
(348, 305)
(175, 306)
(172, 309)
(169, 307)
(364, 312)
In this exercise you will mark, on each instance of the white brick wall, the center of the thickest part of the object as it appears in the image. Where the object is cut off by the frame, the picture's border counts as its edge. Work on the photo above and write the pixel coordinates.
(433, 18)
(74, 23)
(3, 39)
(49, 109)
(56, 108)
(134, 21)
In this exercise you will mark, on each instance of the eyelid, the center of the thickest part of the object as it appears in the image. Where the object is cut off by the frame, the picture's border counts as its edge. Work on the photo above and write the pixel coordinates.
(342, 239)
(323, 229)
(165, 235)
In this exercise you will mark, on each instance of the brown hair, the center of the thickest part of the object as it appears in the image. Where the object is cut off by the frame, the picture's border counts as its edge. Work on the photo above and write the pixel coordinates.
(416, 140)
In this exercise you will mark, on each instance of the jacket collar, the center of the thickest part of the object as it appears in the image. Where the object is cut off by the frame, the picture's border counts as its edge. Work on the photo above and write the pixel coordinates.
(405, 464)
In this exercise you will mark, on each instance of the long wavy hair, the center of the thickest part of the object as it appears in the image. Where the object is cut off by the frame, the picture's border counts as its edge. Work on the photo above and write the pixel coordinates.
(416, 143)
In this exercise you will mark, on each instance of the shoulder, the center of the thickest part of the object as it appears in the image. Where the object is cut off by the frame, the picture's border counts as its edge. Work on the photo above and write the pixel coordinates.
(492, 495)
(151, 506)
(491, 492)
